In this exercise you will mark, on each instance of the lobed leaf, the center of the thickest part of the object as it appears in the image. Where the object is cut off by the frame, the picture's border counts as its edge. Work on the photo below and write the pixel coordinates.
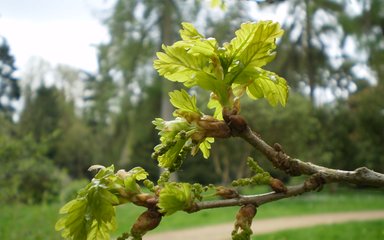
(138, 173)
(253, 33)
(177, 65)
(73, 224)
(185, 104)
(169, 129)
(215, 104)
(194, 61)
(189, 32)
(270, 86)
(252, 47)
(92, 214)
(169, 159)
(205, 147)
(175, 197)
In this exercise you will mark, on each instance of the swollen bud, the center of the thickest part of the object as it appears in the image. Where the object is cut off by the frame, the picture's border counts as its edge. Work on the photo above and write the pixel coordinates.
(147, 221)
(244, 219)
(277, 185)
(227, 193)
(144, 199)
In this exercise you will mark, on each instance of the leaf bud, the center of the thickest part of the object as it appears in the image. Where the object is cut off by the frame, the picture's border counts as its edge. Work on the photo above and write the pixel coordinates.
(277, 185)
(147, 221)
(227, 193)
(144, 199)
(277, 147)
(149, 185)
(244, 217)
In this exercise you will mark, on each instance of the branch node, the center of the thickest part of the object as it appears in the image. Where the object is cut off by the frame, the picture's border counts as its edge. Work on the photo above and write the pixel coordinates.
(314, 183)
(278, 147)
(362, 171)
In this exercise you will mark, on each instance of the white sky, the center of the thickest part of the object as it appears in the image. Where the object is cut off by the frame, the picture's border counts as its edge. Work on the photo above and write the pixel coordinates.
(59, 31)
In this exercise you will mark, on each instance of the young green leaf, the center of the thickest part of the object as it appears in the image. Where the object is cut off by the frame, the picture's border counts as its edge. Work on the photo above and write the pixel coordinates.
(253, 47)
(193, 61)
(175, 197)
(176, 64)
(189, 32)
(215, 104)
(185, 104)
(73, 224)
(170, 159)
(124, 184)
(177, 135)
(92, 214)
(270, 86)
(90, 217)
(253, 34)
(205, 147)
(169, 129)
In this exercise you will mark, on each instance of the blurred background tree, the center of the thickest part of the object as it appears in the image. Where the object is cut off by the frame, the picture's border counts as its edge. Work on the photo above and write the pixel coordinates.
(9, 84)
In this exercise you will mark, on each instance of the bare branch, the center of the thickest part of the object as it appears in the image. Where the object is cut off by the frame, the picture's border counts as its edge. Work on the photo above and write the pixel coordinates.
(313, 183)
(296, 167)
(319, 176)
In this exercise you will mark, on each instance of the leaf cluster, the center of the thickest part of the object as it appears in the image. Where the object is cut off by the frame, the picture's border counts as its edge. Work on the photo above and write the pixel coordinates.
(91, 215)
(183, 135)
(227, 71)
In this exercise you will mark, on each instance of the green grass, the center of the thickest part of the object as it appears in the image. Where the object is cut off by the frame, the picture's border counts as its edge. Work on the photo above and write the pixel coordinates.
(28, 222)
(37, 222)
(370, 230)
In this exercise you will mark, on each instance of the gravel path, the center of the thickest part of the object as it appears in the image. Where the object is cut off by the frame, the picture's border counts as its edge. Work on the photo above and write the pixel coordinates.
(223, 231)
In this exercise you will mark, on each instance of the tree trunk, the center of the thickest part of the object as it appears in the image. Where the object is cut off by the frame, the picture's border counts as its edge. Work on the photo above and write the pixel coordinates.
(310, 60)
(167, 38)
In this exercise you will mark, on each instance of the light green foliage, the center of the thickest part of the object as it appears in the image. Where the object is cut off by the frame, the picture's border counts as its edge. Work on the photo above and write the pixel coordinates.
(173, 139)
(175, 197)
(92, 214)
(228, 71)
(187, 109)
(205, 146)
(181, 135)
(185, 104)
(268, 80)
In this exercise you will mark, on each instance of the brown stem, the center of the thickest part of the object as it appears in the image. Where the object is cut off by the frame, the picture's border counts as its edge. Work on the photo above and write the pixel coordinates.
(295, 167)
(313, 183)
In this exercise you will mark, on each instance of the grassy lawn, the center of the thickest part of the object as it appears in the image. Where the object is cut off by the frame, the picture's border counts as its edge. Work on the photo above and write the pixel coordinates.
(37, 222)
(372, 230)
(28, 222)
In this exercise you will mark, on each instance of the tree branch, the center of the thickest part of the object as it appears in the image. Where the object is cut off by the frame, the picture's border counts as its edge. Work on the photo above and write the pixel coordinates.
(296, 167)
(313, 183)
(319, 176)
